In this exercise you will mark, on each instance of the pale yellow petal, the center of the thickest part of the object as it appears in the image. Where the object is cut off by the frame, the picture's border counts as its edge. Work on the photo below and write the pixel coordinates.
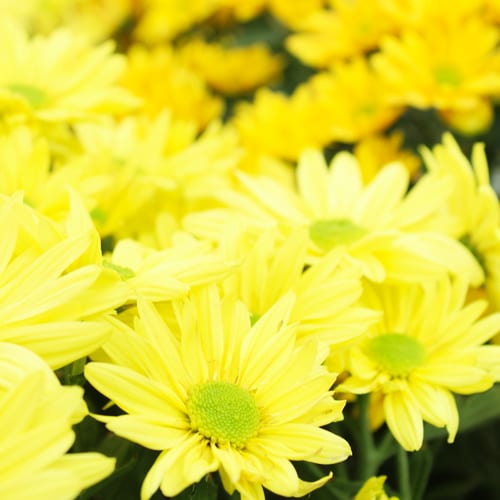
(312, 180)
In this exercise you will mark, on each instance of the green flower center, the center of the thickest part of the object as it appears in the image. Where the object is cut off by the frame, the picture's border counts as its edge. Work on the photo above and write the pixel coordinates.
(396, 353)
(328, 233)
(35, 96)
(223, 413)
(447, 75)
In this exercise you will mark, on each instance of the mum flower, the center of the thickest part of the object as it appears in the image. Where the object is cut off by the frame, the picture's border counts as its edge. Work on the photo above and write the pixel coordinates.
(220, 395)
(474, 203)
(379, 226)
(427, 346)
(58, 78)
(373, 489)
(36, 415)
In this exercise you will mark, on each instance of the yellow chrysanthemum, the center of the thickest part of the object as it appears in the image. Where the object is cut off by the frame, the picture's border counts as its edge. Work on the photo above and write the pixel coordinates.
(373, 489)
(162, 80)
(236, 70)
(351, 102)
(269, 124)
(220, 395)
(389, 232)
(326, 308)
(347, 29)
(36, 415)
(53, 290)
(475, 204)
(59, 78)
(294, 13)
(446, 65)
(427, 346)
(375, 151)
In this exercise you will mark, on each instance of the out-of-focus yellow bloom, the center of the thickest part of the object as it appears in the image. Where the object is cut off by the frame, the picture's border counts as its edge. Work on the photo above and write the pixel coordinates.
(373, 489)
(36, 416)
(471, 121)
(427, 346)
(162, 80)
(53, 289)
(242, 11)
(214, 393)
(474, 203)
(351, 101)
(448, 65)
(294, 13)
(378, 150)
(346, 30)
(163, 20)
(58, 79)
(235, 70)
(269, 124)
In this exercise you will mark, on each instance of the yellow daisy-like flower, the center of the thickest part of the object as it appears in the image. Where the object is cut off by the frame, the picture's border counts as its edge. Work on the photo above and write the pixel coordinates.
(231, 71)
(347, 29)
(163, 80)
(326, 308)
(381, 227)
(53, 293)
(220, 395)
(59, 78)
(446, 65)
(351, 101)
(427, 346)
(373, 489)
(475, 204)
(36, 415)
(378, 150)
(294, 13)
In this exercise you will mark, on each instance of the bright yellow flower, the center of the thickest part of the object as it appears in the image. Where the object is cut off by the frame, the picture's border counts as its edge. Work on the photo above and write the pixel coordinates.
(36, 415)
(162, 80)
(326, 308)
(351, 102)
(220, 395)
(53, 289)
(388, 232)
(375, 151)
(446, 65)
(475, 204)
(242, 11)
(235, 70)
(373, 489)
(347, 29)
(59, 78)
(427, 346)
(269, 124)
(294, 13)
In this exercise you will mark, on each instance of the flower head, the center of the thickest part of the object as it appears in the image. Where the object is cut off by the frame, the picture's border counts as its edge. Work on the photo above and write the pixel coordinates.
(217, 394)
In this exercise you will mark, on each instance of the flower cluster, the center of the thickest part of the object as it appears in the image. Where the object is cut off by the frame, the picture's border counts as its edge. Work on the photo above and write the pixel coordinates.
(229, 262)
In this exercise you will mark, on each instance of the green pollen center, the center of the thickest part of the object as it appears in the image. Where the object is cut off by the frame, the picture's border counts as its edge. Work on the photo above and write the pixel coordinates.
(223, 413)
(396, 353)
(328, 233)
(447, 75)
(35, 96)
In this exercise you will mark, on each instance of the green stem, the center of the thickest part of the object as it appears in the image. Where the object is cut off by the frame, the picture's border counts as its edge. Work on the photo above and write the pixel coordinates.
(368, 459)
(403, 474)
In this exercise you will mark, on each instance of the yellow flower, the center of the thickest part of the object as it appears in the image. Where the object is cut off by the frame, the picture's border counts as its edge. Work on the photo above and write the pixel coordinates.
(59, 78)
(219, 395)
(351, 102)
(427, 346)
(326, 309)
(474, 203)
(162, 80)
(235, 70)
(375, 151)
(36, 415)
(447, 65)
(373, 489)
(294, 13)
(379, 226)
(53, 289)
(348, 29)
